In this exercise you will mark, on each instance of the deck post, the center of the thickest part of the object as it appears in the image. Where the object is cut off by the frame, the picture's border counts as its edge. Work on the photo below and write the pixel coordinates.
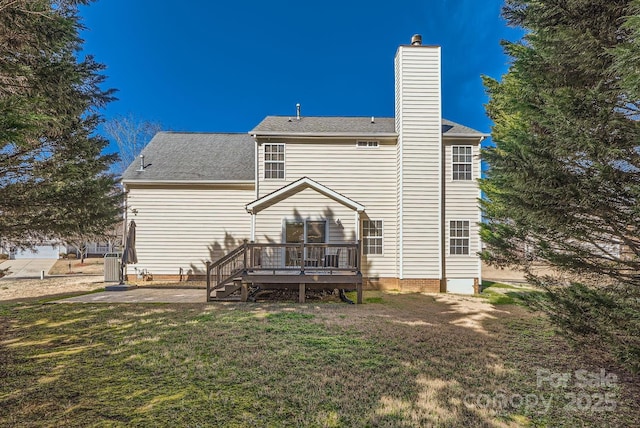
(244, 257)
(359, 293)
(302, 258)
(301, 293)
(208, 281)
(244, 292)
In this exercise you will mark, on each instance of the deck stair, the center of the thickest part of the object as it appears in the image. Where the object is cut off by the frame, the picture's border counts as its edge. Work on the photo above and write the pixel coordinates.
(229, 289)
(224, 276)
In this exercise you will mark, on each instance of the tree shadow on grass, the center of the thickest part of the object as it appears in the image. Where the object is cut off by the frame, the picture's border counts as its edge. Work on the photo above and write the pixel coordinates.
(403, 362)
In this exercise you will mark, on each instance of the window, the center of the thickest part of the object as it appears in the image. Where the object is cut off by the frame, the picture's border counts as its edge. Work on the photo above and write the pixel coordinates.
(274, 161)
(367, 144)
(459, 237)
(309, 232)
(372, 237)
(316, 232)
(462, 162)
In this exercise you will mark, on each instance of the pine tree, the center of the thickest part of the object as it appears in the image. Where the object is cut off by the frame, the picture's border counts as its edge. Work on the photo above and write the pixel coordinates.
(53, 180)
(563, 183)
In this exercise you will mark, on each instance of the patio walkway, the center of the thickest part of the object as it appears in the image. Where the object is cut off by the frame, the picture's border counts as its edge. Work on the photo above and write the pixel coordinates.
(142, 295)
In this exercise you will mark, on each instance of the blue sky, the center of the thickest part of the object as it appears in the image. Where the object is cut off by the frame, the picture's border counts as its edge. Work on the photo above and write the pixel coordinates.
(214, 66)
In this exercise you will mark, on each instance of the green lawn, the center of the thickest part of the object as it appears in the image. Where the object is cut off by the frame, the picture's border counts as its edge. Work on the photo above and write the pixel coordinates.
(504, 294)
(400, 360)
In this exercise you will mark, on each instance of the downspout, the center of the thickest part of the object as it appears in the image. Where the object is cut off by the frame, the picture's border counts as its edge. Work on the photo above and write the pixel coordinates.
(257, 186)
(479, 210)
(123, 267)
(443, 220)
(256, 180)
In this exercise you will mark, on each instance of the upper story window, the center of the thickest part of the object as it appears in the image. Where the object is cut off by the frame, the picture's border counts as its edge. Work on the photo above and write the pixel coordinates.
(462, 162)
(274, 161)
(367, 144)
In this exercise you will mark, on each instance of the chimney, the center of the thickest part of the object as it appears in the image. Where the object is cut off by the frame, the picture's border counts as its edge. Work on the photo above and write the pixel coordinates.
(298, 111)
(419, 156)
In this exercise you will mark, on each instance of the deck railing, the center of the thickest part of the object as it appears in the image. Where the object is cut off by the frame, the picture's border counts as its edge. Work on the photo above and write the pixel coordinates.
(224, 270)
(319, 258)
(279, 259)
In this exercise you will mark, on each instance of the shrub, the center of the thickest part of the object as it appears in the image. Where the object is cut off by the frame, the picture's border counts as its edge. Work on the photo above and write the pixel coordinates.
(71, 256)
(605, 316)
(4, 256)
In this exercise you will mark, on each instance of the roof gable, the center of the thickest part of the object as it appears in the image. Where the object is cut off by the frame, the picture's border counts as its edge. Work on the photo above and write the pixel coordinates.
(297, 186)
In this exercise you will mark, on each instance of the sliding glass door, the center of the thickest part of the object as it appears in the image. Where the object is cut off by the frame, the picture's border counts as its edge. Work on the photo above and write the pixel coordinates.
(308, 232)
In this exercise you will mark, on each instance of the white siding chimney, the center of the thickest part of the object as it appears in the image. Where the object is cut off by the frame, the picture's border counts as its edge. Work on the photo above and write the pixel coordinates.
(418, 123)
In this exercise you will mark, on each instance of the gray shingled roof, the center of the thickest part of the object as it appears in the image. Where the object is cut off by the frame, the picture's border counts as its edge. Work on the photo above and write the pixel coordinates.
(181, 156)
(455, 129)
(272, 125)
(314, 125)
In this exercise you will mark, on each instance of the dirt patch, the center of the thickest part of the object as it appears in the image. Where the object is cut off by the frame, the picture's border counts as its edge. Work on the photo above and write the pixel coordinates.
(514, 276)
(19, 289)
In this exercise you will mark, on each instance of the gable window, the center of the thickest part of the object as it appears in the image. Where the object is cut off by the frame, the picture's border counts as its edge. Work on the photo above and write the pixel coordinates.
(462, 163)
(274, 161)
(371, 237)
(459, 237)
(367, 144)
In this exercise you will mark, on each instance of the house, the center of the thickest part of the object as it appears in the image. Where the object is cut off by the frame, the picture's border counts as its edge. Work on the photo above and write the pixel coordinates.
(392, 199)
(43, 250)
(109, 242)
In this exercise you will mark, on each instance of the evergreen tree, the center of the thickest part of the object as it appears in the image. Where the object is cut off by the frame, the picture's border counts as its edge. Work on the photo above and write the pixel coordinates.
(563, 184)
(53, 181)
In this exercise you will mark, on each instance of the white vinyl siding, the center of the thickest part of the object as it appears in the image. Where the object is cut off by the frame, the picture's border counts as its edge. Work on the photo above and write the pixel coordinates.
(305, 206)
(419, 124)
(461, 203)
(372, 237)
(462, 163)
(184, 226)
(365, 176)
(274, 161)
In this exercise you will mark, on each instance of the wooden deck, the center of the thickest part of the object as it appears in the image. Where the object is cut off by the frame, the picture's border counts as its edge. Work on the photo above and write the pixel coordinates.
(255, 266)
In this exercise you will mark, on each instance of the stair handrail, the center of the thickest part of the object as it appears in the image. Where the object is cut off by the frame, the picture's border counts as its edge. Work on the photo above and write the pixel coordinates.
(220, 264)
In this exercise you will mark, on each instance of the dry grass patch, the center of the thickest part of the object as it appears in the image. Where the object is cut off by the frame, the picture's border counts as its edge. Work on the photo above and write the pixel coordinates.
(14, 290)
(404, 361)
(91, 266)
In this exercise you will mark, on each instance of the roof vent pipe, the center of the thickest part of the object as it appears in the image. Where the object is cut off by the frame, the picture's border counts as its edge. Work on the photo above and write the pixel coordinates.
(373, 119)
(298, 111)
(141, 163)
(416, 40)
